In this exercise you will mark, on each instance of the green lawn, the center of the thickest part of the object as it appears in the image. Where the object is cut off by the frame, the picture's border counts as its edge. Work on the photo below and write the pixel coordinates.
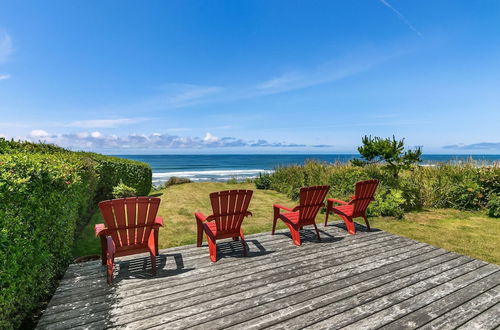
(469, 233)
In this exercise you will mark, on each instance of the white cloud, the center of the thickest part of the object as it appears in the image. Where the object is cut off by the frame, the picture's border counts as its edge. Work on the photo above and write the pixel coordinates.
(105, 123)
(210, 138)
(6, 47)
(475, 146)
(98, 140)
(5, 76)
(401, 17)
(39, 133)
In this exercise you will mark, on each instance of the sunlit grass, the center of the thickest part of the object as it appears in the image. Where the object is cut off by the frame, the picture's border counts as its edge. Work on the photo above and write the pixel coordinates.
(469, 233)
(179, 203)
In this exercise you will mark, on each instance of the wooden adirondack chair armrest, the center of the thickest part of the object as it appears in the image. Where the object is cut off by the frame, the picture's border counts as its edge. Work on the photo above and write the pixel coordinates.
(158, 222)
(200, 217)
(331, 201)
(277, 206)
(101, 230)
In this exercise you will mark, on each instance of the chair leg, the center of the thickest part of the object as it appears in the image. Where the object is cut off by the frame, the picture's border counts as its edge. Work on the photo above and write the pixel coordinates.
(295, 236)
(157, 252)
(110, 264)
(199, 238)
(317, 231)
(153, 263)
(367, 223)
(326, 218)
(243, 244)
(104, 252)
(212, 249)
(275, 219)
(349, 223)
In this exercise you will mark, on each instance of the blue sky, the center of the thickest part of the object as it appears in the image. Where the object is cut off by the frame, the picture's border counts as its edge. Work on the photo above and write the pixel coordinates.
(251, 76)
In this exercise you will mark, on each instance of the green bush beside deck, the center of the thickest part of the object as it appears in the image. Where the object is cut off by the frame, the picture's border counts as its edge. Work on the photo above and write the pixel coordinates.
(463, 187)
(46, 193)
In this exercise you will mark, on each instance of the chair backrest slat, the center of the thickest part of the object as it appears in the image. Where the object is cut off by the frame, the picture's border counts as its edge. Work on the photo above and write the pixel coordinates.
(364, 193)
(130, 220)
(131, 206)
(142, 212)
(311, 201)
(152, 211)
(229, 208)
(109, 219)
(121, 220)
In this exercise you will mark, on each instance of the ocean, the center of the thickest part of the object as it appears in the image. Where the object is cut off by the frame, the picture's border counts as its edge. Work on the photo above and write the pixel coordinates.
(201, 168)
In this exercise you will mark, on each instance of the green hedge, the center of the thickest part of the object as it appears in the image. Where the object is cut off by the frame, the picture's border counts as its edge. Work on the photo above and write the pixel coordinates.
(46, 193)
(466, 186)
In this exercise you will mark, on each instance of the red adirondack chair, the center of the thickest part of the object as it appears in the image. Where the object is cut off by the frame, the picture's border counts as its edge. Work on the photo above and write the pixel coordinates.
(131, 227)
(229, 208)
(356, 207)
(311, 201)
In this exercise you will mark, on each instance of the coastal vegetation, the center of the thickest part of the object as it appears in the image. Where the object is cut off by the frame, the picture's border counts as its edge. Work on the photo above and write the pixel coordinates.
(458, 186)
(47, 195)
(471, 233)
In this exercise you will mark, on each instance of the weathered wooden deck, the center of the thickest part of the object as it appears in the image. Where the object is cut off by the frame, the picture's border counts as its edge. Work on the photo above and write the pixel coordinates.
(370, 280)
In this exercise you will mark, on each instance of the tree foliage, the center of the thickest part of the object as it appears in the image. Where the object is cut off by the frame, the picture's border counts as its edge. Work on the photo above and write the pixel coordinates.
(388, 151)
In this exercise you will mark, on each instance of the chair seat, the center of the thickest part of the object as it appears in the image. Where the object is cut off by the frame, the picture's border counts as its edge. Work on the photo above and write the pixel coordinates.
(347, 210)
(292, 217)
(211, 230)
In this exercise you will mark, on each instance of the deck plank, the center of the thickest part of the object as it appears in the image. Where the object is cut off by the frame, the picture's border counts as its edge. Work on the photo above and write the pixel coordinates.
(445, 304)
(368, 280)
(466, 311)
(489, 319)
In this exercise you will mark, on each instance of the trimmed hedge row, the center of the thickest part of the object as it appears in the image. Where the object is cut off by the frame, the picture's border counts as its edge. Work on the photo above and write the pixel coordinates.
(465, 187)
(46, 193)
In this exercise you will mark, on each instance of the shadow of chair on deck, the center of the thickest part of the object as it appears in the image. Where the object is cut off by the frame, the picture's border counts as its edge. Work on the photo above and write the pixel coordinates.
(309, 235)
(140, 268)
(233, 249)
(358, 226)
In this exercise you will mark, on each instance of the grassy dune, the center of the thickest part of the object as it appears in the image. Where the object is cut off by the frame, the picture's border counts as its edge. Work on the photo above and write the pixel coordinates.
(469, 233)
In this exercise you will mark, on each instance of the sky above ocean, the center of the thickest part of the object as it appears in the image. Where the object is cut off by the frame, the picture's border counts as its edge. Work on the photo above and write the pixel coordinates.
(251, 76)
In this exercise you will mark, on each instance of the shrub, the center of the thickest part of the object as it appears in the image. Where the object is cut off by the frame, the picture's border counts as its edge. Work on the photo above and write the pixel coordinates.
(388, 202)
(47, 193)
(466, 186)
(176, 180)
(263, 181)
(494, 206)
(122, 191)
(173, 180)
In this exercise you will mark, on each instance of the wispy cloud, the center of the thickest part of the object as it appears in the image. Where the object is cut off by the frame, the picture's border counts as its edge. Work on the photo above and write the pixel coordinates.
(6, 47)
(178, 95)
(342, 67)
(105, 123)
(182, 95)
(475, 146)
(4, 76)
(401, 17)
(97, 140)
